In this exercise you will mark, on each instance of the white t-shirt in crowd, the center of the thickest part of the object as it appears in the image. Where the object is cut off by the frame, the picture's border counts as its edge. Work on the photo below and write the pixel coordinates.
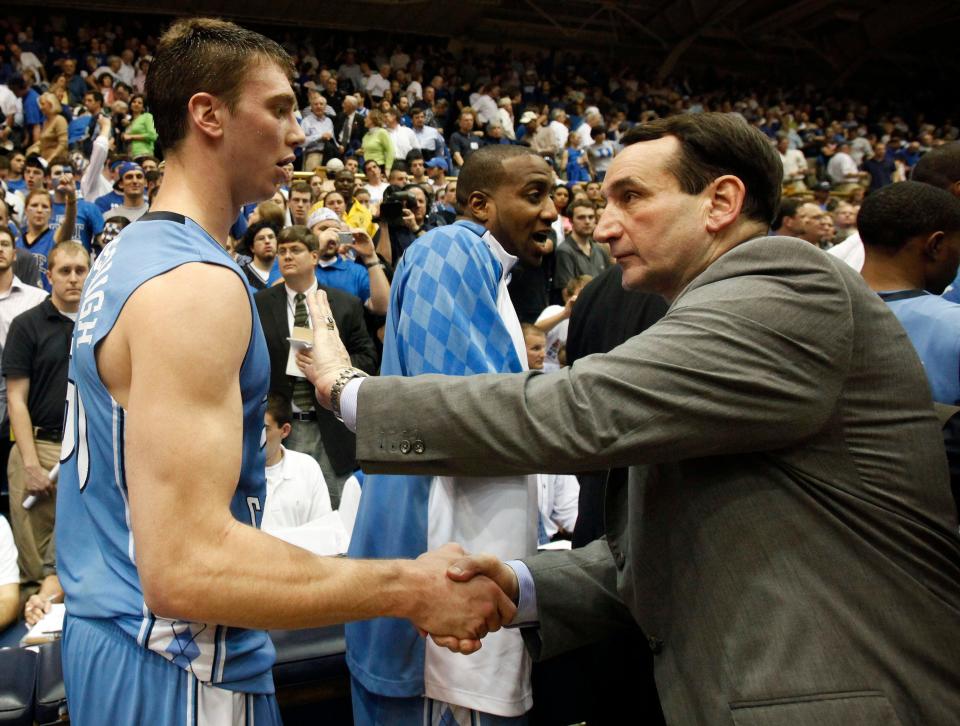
(296, 492)
(9, 572)
(556, 338)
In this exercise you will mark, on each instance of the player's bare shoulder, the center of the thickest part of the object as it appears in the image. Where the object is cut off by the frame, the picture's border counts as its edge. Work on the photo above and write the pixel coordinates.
(194, 316)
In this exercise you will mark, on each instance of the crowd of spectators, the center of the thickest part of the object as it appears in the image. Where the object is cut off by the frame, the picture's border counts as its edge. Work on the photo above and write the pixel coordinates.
(388, 125)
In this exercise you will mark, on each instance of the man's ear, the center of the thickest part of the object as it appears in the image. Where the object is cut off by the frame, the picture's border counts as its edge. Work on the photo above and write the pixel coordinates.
(933, 245)
(726, 195)
(205, 111)
(480, 207)
(285, 431)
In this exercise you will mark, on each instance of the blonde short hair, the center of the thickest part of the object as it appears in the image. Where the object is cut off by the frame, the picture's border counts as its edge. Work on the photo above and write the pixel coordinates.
(54, 102)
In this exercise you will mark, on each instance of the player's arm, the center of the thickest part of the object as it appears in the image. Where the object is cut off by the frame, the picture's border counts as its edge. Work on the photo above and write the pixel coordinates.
(183, 457)
(9, 603)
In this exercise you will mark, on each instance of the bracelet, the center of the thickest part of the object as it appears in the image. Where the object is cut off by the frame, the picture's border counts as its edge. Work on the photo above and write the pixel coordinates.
(378, 263)
(346, 375)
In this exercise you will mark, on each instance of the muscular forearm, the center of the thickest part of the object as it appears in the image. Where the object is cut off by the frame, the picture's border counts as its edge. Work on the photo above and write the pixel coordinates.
(247, 578)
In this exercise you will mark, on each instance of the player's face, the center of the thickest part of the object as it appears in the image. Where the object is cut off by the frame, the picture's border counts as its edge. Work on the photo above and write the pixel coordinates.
(522, 209)
(66, 276)
(656, 232)
(261, 134)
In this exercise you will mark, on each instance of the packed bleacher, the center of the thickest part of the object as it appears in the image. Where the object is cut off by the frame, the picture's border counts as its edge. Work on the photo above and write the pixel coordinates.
(389, 125)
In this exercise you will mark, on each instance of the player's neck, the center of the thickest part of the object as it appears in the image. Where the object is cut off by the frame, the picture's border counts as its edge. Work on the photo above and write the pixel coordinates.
(193, 195)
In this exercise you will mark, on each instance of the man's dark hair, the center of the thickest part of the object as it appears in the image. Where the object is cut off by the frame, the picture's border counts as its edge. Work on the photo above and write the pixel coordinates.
(414, 154)
(788, 208)
(59, 160)
(298, 233)
(203, 55)
(35, 161)
(97, 96)
(302, 187)
(245, 247)
(483, 170)
(280, 409)
(939, 167)
(399, 166)
(16, 83)
(585, 203)
(714, 144)
(897, 213)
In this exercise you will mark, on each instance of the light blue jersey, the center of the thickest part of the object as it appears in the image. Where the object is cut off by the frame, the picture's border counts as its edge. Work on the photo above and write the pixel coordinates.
(95, 546)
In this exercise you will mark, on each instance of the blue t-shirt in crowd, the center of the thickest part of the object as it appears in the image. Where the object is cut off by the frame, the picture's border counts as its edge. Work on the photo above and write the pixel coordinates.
(17, 185)
(343, 274)
(933, 326)
(41, 246)
(89, 221)
(32, 115)
(108, 201)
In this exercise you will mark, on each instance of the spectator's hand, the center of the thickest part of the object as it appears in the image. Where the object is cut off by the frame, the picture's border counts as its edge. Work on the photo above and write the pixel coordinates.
(568, 306)
(35, 609)
(458, 614)
(410, 220)
(103, 124)
(38, 480)
(329, 357)
(363, 246)
(66, 185)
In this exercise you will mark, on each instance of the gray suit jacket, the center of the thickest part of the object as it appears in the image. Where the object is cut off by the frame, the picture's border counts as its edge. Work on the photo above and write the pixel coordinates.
(787, 539)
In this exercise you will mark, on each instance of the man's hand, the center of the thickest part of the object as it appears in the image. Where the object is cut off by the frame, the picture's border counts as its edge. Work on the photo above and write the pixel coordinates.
(35, 609)
(485, 566)
(329, 355)
(410, 220)
(38, 480)
(363, 246)
(458, 614)
(66, 185)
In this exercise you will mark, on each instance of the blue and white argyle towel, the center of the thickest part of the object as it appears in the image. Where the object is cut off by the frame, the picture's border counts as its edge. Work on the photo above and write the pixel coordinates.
(442, 319)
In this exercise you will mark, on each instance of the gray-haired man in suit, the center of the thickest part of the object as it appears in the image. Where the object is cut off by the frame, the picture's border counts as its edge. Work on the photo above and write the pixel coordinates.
(786, 540)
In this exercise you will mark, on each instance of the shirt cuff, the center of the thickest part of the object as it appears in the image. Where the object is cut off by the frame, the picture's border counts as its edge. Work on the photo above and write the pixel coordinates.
(348, 403)
(526, 616)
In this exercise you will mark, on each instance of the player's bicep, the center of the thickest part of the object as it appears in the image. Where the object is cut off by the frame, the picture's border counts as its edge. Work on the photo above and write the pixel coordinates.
(187, 333)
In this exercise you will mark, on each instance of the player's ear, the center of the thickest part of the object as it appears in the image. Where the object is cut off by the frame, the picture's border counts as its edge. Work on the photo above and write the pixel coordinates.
(205, 112)
(480, 207)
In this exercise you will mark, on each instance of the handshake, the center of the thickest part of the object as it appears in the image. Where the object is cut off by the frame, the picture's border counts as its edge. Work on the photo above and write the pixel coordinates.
(459, 598)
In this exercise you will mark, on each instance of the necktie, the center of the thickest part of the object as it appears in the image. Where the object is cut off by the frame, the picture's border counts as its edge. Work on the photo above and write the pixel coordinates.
(303, 395)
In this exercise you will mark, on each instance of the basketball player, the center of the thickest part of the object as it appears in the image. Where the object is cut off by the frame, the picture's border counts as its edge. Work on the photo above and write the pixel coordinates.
(166, 575)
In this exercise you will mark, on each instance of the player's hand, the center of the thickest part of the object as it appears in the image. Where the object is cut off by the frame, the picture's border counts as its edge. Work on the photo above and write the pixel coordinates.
(457, 615)
(38, 480)
(329, 355)
(35, 609)
(485, 566)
